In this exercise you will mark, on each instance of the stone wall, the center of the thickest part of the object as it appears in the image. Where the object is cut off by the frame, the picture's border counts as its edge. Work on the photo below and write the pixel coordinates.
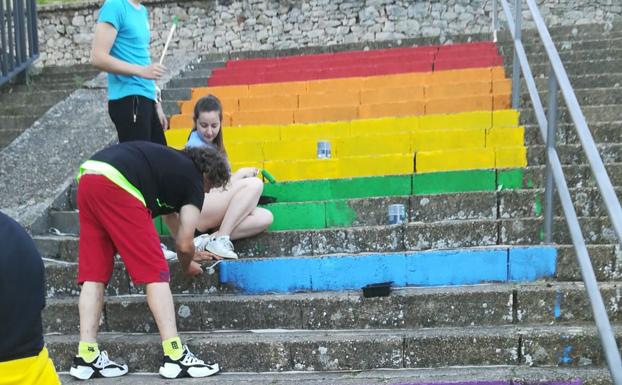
(210, 26)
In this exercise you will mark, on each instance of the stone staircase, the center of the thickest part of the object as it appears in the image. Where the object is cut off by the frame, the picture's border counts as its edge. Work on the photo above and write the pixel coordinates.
(22, 104)
(515, 332)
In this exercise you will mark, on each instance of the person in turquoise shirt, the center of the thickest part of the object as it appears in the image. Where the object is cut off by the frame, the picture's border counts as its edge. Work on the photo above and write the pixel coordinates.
(121, 48)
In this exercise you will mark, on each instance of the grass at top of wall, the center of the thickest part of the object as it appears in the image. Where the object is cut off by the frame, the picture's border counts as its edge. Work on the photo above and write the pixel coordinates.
(44, 2)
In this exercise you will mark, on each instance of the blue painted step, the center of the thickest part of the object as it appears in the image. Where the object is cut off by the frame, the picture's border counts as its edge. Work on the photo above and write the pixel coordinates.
(425, 268)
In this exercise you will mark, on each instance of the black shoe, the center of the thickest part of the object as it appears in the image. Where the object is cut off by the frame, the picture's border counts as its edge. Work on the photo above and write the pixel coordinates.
(100, 367)
(187, 366)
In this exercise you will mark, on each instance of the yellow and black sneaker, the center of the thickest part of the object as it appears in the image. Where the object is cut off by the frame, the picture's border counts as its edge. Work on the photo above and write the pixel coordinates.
(101, 366)
(186, 366)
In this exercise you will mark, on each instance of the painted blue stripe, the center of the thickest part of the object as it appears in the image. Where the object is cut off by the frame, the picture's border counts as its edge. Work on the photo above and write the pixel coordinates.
(430, 268)
(532, 263)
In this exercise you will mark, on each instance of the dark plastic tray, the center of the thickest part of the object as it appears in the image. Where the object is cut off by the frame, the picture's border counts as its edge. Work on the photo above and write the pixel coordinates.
(381, 289)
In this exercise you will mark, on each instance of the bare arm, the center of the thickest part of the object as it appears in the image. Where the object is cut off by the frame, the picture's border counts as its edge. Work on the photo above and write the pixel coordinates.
(244, 172)
(188, 219)
(103, 39)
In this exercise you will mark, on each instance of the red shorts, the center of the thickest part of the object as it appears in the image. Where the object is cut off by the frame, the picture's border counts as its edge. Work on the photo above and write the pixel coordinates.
(111, 221)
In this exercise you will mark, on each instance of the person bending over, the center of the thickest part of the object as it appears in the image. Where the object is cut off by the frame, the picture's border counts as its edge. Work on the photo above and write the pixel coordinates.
(120, 188)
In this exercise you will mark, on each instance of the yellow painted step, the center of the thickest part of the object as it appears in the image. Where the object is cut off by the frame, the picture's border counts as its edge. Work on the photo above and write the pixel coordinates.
(477, 119)
(505, 137)
(511, 157)
(432, 140)
(315, 131)
(293, 150)
(448, 160)
(177, 138)
(245, 152)
(288, 170)
(264, 133)
(505, 118)
(393, 164)
(371, 145)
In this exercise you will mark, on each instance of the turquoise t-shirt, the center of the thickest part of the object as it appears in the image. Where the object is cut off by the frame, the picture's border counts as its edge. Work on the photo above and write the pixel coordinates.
(131, 45)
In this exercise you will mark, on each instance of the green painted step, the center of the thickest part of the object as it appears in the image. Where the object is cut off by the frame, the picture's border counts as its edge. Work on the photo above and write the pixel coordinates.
(319, 204)
(395, 185)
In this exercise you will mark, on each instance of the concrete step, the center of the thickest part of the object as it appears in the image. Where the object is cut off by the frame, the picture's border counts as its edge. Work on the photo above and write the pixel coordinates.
(610, 132)
(535, 48)
(373, 211)
(585, 96)
(8, 135)
(23, 109)
(388, 238)
(322, 350)
(576, 175)
(207, 63)
(174, 94)
(200, 72)
(33, 98)
(188, 82)
(455, 375)
(557, 303)
(12, 122)
(61, 276)
(573, 153)
(573, 68)
(592, 114)
(170, 107)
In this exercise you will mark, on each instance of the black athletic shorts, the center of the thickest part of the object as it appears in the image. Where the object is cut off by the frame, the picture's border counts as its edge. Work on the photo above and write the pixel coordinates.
(135, 118)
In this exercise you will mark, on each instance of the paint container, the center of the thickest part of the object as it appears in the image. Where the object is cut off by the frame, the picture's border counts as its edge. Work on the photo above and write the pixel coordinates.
(396, 214)
(323, 150)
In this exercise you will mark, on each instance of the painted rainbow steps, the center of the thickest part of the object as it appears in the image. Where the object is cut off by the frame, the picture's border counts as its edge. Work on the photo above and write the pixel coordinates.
(386, 146)
(356, 98)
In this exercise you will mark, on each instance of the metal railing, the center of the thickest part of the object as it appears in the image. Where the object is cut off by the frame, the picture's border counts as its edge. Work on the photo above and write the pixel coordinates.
(19, 44)
(555, 180)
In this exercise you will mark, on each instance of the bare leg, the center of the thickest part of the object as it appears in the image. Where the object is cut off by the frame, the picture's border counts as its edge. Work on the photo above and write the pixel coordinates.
(90, 307)
(226, 209)
(256, 222)
(160, 302)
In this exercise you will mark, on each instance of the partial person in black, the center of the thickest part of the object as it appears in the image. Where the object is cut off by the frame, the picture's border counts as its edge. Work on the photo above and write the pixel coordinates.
(23, 357)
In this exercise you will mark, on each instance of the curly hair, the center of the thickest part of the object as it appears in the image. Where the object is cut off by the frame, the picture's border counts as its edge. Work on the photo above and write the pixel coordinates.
(211, 163)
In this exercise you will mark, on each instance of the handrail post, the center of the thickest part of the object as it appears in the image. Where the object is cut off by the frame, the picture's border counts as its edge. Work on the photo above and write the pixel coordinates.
(516, 63)
(550, 145)
(495, 20)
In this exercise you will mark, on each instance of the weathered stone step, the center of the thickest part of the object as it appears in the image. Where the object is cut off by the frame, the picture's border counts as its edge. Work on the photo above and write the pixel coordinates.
(456, 375)
(535, 48)
(197, 72)
(16, 121)
(33, 98)
(174, 94)
(61, 280)
(609, 132)
(188, 82)
(593, 114)
(419, 208)
(7, 135)
(478, 305)
(386, 238)
(574, 67)
(61, 276)
(23, 109)
(275, 350)
(573, 153)
(585, 96)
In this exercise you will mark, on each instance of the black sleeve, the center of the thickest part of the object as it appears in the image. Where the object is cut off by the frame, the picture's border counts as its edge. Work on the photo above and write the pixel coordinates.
(22, 293)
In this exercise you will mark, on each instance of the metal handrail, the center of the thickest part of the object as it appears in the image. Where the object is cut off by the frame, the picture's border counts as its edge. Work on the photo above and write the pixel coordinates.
(558, 78)
(19, 45)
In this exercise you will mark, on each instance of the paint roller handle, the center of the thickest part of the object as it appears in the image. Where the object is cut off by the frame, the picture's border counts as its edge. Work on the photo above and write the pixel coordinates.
(268, 176)
(168, 40)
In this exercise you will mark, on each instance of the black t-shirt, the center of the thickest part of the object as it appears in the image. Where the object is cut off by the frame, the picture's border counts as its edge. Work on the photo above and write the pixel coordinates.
(167, 178)
(22, 293)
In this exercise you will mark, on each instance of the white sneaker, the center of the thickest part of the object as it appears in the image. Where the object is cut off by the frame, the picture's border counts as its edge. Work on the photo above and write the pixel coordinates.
(220, 246)
(168, 254)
